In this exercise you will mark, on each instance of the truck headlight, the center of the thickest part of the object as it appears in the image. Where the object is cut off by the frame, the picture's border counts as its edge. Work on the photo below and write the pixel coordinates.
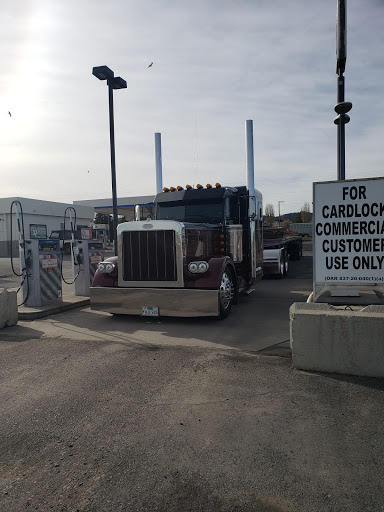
(106, 267)
(198, 267)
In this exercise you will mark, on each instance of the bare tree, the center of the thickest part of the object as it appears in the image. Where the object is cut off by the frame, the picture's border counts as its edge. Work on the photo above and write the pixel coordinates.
(286, 224)
(269, 214)
(305, 213)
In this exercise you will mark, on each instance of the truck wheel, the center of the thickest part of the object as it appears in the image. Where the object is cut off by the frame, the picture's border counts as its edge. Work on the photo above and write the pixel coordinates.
(226, 293)
(296, 253)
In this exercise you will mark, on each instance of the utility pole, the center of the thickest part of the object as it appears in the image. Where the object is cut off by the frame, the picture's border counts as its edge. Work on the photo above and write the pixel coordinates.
(278, 202)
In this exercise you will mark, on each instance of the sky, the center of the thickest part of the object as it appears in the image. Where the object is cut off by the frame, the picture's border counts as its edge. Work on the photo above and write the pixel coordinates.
(216, 63)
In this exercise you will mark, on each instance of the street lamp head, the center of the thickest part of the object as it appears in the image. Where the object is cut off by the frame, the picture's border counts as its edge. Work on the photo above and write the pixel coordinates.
(343, 107)
(103, 72)
(119, 83)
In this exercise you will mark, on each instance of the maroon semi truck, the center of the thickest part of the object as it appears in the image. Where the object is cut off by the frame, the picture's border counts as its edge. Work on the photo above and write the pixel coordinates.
(203, 249)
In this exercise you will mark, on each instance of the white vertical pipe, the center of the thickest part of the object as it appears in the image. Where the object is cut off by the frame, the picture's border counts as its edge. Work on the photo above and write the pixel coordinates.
(250, 157)
(159, 164)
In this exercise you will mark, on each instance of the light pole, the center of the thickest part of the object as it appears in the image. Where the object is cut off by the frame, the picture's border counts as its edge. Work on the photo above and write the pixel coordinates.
(278, 202)
(342, 106)
(104, 73)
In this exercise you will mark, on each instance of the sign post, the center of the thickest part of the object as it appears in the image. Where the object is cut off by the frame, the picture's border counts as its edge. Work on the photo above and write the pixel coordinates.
(348, 237)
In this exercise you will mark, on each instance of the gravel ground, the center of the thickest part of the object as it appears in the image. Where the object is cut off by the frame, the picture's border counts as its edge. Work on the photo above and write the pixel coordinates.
(104, 425)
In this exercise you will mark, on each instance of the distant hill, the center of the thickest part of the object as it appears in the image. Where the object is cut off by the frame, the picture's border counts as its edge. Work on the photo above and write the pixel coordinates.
(288, 216)
(292, 216)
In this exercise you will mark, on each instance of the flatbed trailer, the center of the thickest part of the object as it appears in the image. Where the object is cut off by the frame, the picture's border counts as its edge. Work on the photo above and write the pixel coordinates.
(280, 247)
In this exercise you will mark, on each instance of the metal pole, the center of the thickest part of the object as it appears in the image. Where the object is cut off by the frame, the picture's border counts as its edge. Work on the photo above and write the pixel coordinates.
(113, 164)
(342, 106)
(279, 202)
(340, 132)
(250, 157)
(159, 164)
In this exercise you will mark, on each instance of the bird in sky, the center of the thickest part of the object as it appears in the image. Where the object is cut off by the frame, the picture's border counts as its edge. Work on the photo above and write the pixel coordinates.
(151, 64)
(10, 115)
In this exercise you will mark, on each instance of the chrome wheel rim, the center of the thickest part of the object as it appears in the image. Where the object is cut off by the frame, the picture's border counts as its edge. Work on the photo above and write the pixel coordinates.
(226, 290)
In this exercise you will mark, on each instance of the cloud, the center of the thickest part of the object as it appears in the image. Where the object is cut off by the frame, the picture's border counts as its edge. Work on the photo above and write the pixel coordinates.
(216, 64)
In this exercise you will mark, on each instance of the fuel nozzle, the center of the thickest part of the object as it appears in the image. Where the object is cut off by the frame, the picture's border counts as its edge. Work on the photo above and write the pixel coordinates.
(79, 258)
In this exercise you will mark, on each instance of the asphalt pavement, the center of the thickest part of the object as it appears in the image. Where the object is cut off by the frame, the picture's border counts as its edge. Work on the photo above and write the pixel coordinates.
(103, 413)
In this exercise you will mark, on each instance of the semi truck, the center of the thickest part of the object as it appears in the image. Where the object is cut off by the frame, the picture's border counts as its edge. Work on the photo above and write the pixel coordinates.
(203, 249)
(279, 248)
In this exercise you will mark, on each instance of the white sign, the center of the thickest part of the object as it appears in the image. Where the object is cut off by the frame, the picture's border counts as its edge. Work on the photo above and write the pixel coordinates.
(50, 262)
(86, 233)
(95, 259)
(349, 232)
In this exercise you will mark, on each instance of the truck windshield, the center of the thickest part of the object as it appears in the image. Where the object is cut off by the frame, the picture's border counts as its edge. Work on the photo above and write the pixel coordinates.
(191, 211)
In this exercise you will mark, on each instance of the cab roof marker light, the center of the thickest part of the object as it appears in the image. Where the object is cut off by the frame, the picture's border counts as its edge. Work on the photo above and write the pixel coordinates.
(217, 185)
(172, 189)
(199, 186)
(208, 185)
(188, 187)
(179, 188)
(165, 189)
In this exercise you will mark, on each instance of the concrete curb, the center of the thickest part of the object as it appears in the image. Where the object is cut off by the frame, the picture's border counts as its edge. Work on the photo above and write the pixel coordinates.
(338, 340)
(49, 310)
(8, 308)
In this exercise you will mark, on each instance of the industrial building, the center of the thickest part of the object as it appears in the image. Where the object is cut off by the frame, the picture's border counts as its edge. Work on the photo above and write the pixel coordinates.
(40, 219)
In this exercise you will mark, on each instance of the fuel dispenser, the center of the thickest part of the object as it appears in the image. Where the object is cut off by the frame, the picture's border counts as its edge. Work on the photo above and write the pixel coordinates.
(43, 263)
(88, 254)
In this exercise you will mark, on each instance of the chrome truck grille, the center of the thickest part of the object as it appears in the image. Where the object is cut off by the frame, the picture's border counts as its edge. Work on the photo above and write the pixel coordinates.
(149, 256)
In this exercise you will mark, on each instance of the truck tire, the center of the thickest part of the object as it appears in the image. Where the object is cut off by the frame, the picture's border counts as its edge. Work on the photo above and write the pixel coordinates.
(296, 252)
(226, 293)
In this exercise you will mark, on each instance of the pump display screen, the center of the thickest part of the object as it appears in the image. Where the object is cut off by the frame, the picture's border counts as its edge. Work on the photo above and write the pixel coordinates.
(191, 211)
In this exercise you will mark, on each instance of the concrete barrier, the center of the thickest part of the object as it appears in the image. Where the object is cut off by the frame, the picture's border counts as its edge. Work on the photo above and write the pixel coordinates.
(334, 339)
(8, 308)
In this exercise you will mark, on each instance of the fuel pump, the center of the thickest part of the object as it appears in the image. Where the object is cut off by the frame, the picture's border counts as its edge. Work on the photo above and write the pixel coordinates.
(43, 262)
(39, 264)
(90, 253)
(76, 259)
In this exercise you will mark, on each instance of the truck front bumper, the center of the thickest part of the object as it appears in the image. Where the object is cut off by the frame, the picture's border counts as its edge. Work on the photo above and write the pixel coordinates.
(180, 302)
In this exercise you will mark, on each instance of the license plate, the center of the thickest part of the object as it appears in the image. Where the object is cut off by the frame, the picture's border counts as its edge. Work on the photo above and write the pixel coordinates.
(150, 311)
